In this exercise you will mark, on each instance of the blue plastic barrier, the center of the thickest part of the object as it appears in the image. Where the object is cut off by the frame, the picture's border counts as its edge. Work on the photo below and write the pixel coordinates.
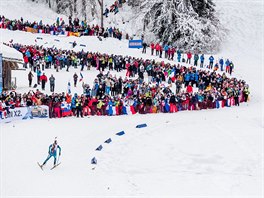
(99, 148)
(94, 161)
(108, 141)
(141, 125)
(120, 133)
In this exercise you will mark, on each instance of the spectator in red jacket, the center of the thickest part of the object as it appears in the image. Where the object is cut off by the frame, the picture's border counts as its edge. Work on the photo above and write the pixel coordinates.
(25, 61)
(43, 80)
(152, 46)
(189, 56)
(157, 47)
(189, 88)
(172, 52)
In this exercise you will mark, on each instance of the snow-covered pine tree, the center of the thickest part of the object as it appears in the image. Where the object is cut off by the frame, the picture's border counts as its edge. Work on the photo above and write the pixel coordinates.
(187, 24)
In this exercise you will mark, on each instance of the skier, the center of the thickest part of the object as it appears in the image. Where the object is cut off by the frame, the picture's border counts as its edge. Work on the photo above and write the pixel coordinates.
(52, 153)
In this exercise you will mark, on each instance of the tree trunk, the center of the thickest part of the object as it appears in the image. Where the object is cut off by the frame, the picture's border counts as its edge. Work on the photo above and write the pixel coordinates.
(101, 3)
(102, 11)
(75, 6)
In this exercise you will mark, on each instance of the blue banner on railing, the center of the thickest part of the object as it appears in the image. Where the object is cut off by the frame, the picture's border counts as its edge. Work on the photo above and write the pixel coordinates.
(135, 44)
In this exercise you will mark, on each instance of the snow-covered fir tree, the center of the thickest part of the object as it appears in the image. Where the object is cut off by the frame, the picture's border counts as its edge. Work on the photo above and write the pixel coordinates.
(187, 24)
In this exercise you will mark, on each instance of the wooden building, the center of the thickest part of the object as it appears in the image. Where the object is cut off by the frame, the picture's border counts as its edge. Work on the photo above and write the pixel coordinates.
(11, 60)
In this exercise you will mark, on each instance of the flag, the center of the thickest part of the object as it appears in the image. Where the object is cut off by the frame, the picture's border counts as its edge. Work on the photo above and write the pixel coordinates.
(69, 88)
(172, 73)
(81, 77)
(65, 109)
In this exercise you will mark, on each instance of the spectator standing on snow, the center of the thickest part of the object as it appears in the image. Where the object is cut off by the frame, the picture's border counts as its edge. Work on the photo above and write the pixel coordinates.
(43, 80)
(144, 48)
(30, 77)
(221, 62)
(196, 58)
(189, 56)
(38, 76)
(179, 55)
(152, 46)
(236, 96)
(157, 48)
(202, 61)
(52, 83)
(75, 78)
(231, 65)
(211, 62)
(246, 93)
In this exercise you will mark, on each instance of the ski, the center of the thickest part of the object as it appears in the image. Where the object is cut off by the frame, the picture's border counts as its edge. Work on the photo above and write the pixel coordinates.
(55, 166)
(40, 166)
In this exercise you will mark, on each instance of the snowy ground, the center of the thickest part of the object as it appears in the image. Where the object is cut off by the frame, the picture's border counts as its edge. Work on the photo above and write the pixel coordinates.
(213, 153)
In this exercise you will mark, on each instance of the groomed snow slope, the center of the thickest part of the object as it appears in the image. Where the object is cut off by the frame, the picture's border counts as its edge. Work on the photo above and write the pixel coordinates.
(213, 153)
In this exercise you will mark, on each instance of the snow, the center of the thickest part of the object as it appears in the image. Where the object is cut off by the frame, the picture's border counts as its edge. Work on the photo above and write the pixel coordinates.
(10, 53)
(212, 153)
(15, 9)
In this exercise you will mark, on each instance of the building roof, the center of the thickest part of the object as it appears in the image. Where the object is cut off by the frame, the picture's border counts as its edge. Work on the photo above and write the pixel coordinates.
(10, 54)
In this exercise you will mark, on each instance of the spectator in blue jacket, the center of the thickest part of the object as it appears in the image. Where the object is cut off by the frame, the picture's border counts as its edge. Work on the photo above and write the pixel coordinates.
(187, 79)
(166, 49)
(211, 62)
(179, 55)
(38, 76)
(202, 60)
(221, 62)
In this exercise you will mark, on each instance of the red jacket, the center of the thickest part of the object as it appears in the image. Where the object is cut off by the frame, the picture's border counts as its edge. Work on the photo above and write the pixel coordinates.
(157, 47)
(43, 78)
(189, 89)
(189, 55)
(25, 59)
(152, 46)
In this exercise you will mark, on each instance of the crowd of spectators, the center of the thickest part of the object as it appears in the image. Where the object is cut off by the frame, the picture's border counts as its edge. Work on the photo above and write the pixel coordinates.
(154, 87)
(60, 27)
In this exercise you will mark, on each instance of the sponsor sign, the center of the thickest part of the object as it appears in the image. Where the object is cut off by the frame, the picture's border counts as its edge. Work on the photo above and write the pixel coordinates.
(24, 113)
(135, 44)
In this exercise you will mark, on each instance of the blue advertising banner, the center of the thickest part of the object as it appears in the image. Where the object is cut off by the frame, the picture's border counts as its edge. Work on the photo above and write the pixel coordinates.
(135, 44)
(1, 73)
